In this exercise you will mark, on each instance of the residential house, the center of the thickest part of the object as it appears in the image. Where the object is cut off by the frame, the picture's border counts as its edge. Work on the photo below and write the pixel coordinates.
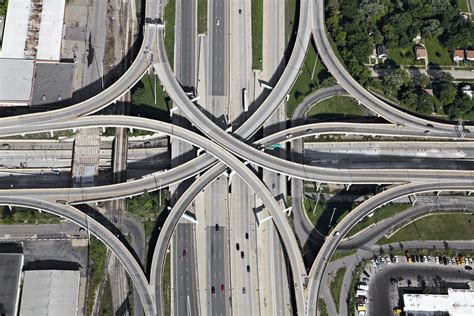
(458, 55)
(382, 52)
(470, 55)
(421, 53)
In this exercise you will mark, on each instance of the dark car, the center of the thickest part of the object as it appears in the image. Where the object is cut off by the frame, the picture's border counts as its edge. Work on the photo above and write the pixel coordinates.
(222, 288)
(366, 274)
(244, 290)
(217, 227)
(242, 255)
(421, 259)
(413, 258)
(213, 290)
(417, 258)
(237, 246)
(468, 267)
(184, 252)
(429, 125)
(248, 268)
(246, 235)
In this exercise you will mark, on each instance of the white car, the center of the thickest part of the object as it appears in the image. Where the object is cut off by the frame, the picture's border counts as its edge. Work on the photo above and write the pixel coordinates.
(425, 258)
(397, 260)
(436, 260)
(217, 22)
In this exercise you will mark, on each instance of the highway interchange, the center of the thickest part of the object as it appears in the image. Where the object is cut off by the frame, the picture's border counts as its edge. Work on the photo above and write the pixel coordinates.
(224, 150)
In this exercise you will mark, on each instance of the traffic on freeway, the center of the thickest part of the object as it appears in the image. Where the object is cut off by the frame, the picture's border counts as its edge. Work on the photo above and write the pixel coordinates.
(229, 231)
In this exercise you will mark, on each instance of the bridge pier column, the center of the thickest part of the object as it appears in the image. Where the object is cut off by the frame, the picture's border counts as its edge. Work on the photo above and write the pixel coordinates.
(413, 202)
(318, 185)
(348, 186)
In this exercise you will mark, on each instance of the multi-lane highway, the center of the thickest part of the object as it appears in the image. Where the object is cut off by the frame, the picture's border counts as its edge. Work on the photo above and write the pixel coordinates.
(225, 148)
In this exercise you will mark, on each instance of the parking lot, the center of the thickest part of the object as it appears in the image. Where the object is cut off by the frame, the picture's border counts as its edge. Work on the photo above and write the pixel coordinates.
(387, 281)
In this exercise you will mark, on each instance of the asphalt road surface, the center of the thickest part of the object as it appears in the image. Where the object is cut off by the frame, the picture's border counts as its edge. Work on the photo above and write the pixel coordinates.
(184, 274)
(218, 47)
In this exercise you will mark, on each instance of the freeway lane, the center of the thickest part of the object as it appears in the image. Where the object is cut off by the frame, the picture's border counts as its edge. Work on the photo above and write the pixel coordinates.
(321, 261)
(189, 169)
(108, 238)
(249, 177)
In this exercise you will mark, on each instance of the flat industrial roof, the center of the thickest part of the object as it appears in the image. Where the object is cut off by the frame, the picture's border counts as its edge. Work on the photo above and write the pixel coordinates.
(52, 83)
(50, 292)
(16, 29)
(16, 80)
(457, 302)
(51, 30)
(10, 273)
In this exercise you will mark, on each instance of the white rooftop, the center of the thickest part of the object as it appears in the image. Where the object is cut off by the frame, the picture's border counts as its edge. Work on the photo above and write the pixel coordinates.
(16, 28)
(456, 303)
(51, 30)
(16, 80)
(50, 292)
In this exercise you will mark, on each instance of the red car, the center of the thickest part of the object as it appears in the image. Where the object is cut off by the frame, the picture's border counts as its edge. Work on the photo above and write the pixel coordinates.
(222, 288)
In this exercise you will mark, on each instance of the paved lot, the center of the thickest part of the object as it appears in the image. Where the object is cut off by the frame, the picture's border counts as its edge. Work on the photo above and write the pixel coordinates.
(387, 286)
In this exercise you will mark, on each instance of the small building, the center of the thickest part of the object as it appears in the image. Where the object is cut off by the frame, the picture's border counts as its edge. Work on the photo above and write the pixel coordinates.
(50, 292)
(458, 55)
(456, 302)
(470, 55)
(420, 52)
(16, 81)
(382, 52)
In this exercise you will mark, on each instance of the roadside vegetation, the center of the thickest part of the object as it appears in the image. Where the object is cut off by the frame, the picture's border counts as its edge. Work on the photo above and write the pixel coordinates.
(351, 304)
(290, 13)
(96, 270)
(106, 305)
(257, 33)
(170, 20)
(143, 100)
(436, 227)
(326, 214)
(336, 108)
(336, 284)
(313, 76)
(19, 215)
(357, 26)
(339, 254)
(202, 16)
(322, 308)
(167, 285)
(3, 8)
(147, 209)
(379, 214)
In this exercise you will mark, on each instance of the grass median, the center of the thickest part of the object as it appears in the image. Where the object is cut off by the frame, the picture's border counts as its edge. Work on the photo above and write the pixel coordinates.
(338, 107)
(96, 270)
(436, 227)
(170, 20)
(379, 214)
(336, 285)
(257, 33)
(313, 76)
(202, 17)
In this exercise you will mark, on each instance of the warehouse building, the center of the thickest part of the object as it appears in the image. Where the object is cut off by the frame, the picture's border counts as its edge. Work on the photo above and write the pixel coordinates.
(455, 303)
(11, 264)
(50, 292)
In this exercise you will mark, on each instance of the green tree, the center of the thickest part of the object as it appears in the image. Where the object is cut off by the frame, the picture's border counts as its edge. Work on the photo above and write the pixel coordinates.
(444, 89)
(392, 81)
(432, 28)
(425, 103)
